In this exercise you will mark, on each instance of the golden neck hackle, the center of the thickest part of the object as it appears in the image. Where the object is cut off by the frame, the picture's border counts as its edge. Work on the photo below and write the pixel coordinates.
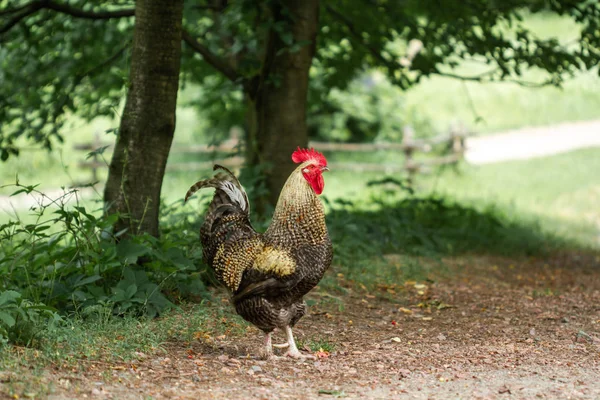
(298, 206)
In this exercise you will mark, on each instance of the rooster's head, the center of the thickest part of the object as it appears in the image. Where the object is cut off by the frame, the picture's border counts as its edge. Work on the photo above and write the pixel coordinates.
(312, 163)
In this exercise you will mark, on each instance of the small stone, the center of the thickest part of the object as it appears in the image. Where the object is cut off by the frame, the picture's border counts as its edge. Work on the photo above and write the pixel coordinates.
(564, 320)
(441, 336)
(403, 373)
(264, 382)
(256, 368)
(504, 389)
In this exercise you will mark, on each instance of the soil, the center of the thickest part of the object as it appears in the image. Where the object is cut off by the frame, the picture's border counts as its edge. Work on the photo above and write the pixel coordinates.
(490, 328)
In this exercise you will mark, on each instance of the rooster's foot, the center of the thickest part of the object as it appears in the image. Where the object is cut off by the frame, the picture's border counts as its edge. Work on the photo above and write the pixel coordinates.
(293, 351)
(299, 356)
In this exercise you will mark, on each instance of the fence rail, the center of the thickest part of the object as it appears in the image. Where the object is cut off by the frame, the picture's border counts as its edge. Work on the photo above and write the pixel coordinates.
(452, 146)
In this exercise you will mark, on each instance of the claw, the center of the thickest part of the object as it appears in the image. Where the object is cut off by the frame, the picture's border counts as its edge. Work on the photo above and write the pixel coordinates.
(299, 356)
(293, 351)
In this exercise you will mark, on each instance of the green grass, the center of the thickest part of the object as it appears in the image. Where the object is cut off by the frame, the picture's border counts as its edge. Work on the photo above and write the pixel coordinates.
(561, 192)
(97, 339)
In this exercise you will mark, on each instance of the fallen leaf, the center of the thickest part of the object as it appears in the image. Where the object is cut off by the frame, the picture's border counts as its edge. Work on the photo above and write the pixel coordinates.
(322, 353)
(443, 306)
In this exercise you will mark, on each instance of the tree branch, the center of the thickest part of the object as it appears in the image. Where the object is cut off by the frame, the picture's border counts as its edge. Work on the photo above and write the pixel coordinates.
(28, 9)
(15, 9)
(34, 6)
(480, 78)
(392, 65)
(211, 58)
(79, 13)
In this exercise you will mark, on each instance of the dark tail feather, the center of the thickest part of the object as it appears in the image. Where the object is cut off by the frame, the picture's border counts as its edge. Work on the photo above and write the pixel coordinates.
(229, 190)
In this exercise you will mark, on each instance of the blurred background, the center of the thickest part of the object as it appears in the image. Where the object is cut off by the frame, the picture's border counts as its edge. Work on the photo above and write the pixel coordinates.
(531, 152)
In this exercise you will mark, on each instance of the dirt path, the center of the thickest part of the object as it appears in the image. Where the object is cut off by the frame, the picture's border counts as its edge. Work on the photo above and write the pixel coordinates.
(528, 143)
(491, 329)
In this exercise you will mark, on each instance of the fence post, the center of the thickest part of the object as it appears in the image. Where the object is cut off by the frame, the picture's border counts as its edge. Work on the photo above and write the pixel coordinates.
(458, 141)
(95, 146)
(408, 148)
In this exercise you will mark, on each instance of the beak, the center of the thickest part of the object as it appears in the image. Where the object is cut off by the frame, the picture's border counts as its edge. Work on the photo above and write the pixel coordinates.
(325, 168)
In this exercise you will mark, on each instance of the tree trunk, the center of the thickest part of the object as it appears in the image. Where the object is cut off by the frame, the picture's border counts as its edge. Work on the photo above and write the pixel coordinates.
(277, 98)
(148, 123)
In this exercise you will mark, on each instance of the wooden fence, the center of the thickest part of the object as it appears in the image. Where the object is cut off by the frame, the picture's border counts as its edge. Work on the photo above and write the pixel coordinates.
(450, 150)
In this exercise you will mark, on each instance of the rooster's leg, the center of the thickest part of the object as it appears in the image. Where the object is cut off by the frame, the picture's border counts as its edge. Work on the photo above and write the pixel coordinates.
(293, 350)
(268, 350)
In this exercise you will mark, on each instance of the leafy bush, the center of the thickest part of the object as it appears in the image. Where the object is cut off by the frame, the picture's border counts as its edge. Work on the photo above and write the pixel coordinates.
(21, 320)
(68, 258)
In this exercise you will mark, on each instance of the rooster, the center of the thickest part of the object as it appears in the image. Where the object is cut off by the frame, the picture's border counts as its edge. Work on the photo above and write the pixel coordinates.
(269, 273)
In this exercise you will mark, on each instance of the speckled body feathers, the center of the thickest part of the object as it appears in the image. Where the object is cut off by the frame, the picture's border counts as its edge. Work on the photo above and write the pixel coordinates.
(267, 273)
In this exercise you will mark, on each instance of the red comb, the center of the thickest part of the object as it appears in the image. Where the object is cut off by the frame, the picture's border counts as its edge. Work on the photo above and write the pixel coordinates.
(301, 155)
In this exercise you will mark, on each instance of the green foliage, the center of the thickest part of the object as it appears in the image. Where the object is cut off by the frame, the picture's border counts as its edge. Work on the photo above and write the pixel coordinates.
(78, 65)
(370, 109)
(22, 321)
(72, 66)
(68, 258)
(317, 345)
